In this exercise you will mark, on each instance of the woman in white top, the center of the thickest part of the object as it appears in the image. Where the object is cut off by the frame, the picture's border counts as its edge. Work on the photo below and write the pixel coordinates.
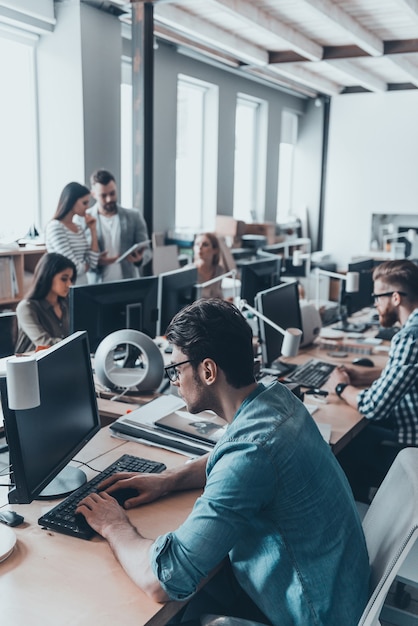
(206, 258)
(67, 238)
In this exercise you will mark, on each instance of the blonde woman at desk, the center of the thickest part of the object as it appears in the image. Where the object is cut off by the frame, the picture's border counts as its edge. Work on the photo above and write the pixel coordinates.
(206, 258)
(66, 237)
(43, 316)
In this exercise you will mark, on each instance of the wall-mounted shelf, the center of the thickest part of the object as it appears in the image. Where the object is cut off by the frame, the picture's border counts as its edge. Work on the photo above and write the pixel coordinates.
(16, 272)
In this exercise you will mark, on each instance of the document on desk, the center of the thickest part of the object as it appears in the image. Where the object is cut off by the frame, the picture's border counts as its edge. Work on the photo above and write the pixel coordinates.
(140, 425)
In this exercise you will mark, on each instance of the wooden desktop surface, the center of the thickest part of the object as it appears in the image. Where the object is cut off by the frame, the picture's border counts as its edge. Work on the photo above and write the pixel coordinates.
(51, 578)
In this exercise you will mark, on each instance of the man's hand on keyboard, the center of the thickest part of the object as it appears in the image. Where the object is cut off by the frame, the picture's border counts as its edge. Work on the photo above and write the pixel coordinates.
(148, 487)
(102, 512)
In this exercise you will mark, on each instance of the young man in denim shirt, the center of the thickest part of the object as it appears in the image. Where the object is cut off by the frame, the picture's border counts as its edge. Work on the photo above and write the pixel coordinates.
(276, 506)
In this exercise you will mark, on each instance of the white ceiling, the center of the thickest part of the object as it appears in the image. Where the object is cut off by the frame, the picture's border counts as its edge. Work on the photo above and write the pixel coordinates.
(314, 47)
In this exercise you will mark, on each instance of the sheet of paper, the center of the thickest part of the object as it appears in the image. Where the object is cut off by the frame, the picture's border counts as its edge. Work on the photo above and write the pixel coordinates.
(154, 410)
(325, 430)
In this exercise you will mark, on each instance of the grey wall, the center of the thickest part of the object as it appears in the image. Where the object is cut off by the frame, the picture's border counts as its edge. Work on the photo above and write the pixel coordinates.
(168, 64)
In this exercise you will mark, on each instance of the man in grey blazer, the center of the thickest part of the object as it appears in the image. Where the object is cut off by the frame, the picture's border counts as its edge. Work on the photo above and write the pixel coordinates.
(117, 230)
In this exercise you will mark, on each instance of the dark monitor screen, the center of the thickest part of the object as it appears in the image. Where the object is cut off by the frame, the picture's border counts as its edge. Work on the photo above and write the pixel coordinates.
(106, 307)
(289, 270)
(44, 439)
(362, 298)
(259, 275)
(280, 305)
(176, 289)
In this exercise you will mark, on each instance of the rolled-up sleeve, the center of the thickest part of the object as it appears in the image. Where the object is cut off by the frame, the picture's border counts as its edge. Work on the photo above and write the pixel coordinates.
(182, 559)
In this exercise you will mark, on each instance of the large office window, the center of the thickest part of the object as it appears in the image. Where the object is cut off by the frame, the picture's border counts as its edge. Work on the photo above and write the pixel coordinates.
(196, 159)
(288, 138)
(18, 136)
(250, 158)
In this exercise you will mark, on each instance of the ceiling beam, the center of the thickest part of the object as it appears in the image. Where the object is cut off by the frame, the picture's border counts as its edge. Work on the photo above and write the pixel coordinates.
(362, 77)
(362, 36)
(407, 66)
(411, 6)
(299, 74)
(251, 14)
(209, 34)
(399, 46)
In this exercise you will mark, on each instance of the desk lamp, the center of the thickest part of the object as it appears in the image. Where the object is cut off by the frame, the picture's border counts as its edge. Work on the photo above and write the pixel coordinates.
(292, 336)
(410, 235)
(289, 243)
(212, 281)
(352, 279)
(22, 382)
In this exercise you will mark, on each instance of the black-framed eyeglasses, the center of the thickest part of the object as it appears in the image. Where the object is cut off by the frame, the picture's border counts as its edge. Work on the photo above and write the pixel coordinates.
(376, 296)
(172, 372)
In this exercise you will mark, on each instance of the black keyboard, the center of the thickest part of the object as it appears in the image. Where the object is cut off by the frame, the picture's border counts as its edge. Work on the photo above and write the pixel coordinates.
(387, 333)
(63, 518)
(313, 373)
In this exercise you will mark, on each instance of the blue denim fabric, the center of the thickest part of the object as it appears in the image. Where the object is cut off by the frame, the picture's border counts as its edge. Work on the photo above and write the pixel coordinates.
(278, 503)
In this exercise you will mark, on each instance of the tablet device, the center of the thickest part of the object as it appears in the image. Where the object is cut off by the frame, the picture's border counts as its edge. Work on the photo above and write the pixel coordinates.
(135, 248)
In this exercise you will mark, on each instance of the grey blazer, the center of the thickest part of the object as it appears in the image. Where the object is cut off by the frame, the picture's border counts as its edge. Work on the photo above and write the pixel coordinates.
(133, 229)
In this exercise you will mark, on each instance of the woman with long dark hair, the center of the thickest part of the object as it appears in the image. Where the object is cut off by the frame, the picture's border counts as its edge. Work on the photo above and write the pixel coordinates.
(66, 237)
(43, 316)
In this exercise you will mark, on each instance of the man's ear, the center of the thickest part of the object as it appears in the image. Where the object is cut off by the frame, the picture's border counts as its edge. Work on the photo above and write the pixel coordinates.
(396, 298)
(210, 371)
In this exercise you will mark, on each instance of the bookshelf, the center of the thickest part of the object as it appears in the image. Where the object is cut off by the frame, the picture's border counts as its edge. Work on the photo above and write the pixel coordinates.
(16, 270)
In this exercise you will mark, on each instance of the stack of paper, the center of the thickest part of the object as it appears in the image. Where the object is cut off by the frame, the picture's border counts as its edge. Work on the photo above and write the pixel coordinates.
(141, 425)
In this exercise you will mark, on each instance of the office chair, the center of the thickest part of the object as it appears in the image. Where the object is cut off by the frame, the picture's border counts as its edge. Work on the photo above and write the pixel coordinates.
(390, 528)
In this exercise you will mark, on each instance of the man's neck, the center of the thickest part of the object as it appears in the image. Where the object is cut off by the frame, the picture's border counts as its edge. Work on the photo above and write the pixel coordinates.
(232, 400)
(405, 312)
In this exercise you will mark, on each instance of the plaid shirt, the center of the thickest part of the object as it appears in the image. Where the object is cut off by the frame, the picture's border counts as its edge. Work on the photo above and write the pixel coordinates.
(394, 394)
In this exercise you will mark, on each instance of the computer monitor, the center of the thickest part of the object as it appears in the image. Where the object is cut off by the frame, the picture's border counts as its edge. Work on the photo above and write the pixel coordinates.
(43, 440)
(361, 299)
(176, 289)
(280, 305)
(259, 275)
(106, 307)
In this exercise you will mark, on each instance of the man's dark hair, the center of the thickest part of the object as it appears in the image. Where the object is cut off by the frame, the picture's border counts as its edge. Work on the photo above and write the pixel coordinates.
(101, 176)
(48, 266)
(216, 329)
(401, 274)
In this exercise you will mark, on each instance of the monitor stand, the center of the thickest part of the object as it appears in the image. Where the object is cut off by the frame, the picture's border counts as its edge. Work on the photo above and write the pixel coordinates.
(68, 480)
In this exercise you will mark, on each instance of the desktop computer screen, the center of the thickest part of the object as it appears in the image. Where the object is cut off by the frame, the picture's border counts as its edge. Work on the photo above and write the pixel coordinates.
(42, 440)
(259, 275)
(176, 289)
(362, 298)
(106, 307)
(280, 305)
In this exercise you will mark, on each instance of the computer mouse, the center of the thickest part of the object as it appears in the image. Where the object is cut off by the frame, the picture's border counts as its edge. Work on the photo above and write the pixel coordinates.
(363, 361)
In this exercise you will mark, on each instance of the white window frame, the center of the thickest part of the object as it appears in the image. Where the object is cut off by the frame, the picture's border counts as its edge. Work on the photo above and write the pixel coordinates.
(13, 199)
(202, 208)
(288, 141)
(251, 207)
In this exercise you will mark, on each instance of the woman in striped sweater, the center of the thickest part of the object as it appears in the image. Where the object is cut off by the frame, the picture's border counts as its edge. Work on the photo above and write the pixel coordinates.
(67, 238)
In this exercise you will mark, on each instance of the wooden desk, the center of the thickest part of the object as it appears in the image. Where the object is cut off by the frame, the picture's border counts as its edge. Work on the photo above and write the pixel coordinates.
(51, 578)
(345, 421)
